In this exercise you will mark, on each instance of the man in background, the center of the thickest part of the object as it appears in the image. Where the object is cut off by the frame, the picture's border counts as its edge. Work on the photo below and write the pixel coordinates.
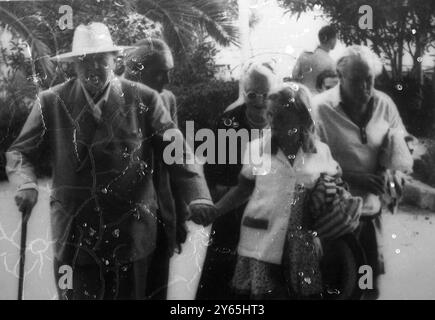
(310, 64)
(151, 64)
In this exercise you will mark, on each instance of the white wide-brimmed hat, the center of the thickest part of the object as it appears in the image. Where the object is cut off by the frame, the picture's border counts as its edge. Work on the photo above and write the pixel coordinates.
(90, 39)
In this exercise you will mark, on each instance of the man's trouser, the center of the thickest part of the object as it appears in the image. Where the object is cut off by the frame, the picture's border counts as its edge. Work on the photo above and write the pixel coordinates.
(99, 282)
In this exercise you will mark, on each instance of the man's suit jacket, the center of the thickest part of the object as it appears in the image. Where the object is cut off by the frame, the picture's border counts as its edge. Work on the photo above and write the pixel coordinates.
(103, 203)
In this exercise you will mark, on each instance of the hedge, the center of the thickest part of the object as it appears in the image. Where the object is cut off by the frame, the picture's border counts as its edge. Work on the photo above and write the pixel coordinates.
(204, 103)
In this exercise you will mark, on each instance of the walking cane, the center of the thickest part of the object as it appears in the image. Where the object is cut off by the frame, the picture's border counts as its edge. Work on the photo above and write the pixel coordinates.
(24, 219)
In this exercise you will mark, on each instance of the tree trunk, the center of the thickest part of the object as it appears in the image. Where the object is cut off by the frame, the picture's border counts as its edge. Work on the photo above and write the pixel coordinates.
(401, 42)
(393, 67)
(417, 67)
(244, 39)
(400, 61)
(433, 102)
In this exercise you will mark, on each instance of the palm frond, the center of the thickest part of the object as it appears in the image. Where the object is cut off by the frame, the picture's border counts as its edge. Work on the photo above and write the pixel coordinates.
(182, 19)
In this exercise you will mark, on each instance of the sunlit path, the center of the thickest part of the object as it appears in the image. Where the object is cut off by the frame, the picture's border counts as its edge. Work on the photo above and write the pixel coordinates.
(408, 239)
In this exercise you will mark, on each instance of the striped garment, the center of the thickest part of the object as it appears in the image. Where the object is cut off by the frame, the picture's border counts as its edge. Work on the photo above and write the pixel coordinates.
(333, 210)
(325, 212)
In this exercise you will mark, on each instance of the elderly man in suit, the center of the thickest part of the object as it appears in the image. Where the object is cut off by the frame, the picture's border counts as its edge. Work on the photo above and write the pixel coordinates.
(151, 64)
(102, 133)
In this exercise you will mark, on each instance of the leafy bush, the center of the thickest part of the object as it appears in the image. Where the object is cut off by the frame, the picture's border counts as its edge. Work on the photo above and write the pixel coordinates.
(12, 117)
(424, 168)
(200, 96)
(415, 104)
(13, 114)
(204, 102)
(196, 67)
(18, 89)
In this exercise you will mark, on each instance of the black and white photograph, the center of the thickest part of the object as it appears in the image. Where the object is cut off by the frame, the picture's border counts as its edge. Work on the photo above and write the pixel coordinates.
(217, 150)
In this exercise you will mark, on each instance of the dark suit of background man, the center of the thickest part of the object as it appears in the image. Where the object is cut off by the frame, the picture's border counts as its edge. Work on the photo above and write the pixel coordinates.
(151, 64)
(102, 133)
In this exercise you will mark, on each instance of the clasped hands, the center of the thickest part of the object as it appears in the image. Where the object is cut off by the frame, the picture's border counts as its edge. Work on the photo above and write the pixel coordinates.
(203, 213)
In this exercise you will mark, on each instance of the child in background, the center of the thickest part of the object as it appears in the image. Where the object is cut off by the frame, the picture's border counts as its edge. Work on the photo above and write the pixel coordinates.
(292, 164)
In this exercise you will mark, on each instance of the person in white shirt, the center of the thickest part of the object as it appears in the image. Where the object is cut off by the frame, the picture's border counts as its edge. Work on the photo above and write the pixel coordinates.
(310, 64)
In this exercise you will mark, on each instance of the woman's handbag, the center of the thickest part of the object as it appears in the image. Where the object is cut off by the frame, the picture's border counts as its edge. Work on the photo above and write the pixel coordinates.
(301, 255)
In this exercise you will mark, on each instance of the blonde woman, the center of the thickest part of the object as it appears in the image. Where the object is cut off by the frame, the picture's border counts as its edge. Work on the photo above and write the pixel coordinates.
(295, 162)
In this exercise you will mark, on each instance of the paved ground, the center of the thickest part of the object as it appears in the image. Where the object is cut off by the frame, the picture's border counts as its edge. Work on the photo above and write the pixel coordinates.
(409, 252)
